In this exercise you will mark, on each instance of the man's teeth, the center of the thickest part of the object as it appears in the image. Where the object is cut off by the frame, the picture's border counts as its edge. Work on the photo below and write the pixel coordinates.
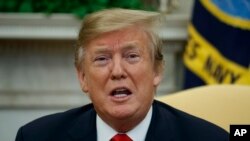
(120, 95)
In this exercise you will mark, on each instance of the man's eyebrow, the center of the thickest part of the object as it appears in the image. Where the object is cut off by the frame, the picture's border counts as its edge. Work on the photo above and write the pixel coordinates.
(102, 49)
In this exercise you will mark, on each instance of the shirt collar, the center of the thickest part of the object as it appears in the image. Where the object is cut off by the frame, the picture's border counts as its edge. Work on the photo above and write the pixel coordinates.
(105, 132)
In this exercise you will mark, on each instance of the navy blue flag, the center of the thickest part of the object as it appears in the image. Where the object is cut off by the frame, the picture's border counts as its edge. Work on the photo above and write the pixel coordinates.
(218, 48)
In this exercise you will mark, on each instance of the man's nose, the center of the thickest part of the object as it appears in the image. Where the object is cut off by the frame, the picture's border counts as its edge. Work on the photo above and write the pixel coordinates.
(117, 70)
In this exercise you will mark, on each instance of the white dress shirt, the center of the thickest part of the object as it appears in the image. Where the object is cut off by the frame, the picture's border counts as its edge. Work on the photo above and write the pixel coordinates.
(105, 132)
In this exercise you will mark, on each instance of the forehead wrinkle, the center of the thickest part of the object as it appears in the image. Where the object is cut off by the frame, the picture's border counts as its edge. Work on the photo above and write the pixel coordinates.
(129, 45)
(102, 49)
(124, 47)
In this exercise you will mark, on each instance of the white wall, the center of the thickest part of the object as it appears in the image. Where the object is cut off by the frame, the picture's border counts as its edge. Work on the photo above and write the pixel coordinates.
(12, 119)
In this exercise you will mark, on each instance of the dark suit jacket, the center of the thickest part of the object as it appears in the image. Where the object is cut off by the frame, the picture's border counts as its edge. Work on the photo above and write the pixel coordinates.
(167, 124)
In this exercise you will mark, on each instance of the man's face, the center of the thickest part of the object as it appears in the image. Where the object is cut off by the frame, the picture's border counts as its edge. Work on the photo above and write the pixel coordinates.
(118, 74)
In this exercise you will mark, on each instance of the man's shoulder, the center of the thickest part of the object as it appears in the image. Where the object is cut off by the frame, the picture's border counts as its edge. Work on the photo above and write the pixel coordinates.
(58, 123)
(186, 124)
(61, 117)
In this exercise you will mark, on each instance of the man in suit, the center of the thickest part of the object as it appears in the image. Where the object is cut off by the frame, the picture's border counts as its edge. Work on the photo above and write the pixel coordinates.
(119, 65)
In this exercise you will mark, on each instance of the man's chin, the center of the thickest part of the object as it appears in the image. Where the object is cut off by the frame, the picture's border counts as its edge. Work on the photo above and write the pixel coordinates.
(122, 113)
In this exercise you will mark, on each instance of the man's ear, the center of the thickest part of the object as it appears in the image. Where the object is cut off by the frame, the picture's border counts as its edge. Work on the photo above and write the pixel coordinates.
(157, 78)
(82, 79)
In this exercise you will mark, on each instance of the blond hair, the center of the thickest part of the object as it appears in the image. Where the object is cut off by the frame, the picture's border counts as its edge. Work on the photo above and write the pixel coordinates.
(114, 19)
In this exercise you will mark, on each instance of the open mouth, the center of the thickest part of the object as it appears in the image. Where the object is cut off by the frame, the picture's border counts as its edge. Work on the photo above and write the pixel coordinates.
(121, 92)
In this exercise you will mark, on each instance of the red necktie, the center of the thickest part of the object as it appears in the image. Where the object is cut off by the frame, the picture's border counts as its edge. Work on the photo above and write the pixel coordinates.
(121, 137)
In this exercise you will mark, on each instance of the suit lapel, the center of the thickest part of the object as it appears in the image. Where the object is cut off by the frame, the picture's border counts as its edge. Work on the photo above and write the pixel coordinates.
(161, 126)
(85, 127)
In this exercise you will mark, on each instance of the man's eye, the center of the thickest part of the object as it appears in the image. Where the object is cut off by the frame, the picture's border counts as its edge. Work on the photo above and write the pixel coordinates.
(102, 60)
(133, 57)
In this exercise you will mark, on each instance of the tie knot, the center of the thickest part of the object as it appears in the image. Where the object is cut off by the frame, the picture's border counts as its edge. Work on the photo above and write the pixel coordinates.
(121, 137)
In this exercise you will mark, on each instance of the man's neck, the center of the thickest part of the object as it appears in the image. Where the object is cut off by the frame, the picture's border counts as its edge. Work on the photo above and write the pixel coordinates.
(126, 124)
(105, 131)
